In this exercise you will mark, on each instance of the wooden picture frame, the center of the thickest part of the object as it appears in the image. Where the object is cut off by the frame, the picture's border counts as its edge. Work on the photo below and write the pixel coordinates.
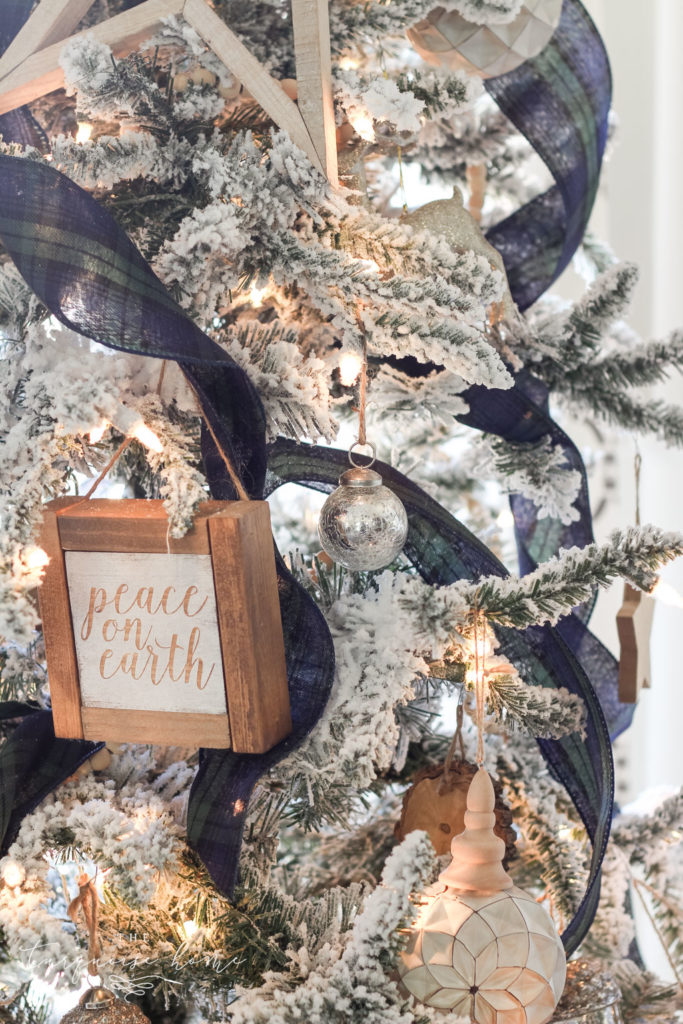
(120, 611)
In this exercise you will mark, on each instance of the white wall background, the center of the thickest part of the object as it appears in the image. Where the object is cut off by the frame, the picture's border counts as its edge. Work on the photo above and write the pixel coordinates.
(640, 213)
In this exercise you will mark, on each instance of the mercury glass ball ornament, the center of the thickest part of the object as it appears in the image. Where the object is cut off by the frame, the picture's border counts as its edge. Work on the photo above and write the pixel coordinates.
(100, 1006)
(482, 948)
(591, 996)
(447, 39)
(362, 525)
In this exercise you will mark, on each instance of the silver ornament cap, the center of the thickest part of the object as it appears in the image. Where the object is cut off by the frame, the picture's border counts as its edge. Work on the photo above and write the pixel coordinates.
(362, 525)
(100, 1006)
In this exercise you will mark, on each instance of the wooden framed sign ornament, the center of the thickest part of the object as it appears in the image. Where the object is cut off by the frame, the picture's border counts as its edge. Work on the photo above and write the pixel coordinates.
(150, 639)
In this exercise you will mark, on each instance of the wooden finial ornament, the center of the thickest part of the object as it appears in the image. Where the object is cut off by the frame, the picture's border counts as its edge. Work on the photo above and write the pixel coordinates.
(437, 801)
(477, 864)
(480, 947)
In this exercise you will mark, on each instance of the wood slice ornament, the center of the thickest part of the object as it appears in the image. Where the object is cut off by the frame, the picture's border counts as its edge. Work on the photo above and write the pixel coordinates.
(152, 639)
(480, 947)
(436, 804)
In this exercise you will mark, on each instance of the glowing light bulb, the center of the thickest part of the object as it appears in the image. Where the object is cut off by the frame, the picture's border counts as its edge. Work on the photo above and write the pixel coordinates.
(362, 125)
(84, 131)
(36, 558)
(370, 265)
(190, 928)
(667, 594)
(97, 433)
(256, 296)
(13, 874)
(478, 650)
(142, 433)
(350, 366)
(348, 63)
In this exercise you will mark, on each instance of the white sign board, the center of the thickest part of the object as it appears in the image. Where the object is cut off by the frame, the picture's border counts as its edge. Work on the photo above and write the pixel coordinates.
(146, 631)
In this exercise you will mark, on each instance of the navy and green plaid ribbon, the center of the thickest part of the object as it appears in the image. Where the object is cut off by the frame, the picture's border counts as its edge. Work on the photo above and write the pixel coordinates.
(91, 277)
(442, 550)
(560, 102)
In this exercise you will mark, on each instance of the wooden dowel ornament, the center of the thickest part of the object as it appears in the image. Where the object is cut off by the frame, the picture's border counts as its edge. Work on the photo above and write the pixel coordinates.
(481, 947)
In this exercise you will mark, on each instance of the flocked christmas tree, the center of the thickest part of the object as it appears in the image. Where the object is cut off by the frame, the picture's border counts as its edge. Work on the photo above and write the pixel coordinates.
(211, 886)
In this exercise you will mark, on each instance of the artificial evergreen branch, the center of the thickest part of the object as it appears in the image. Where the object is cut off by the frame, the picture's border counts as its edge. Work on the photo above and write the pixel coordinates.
(637, 834)
(440, 93)
(545, 713)
(538, 471)
(644, 998)
(565, 342)
(647, 417)
(645, 364)
(357, 982)
(372, 21)
(564, 582)
(28, 1008)
(552, 849)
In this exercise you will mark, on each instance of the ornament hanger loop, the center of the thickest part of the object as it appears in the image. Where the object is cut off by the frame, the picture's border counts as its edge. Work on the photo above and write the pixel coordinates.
(363, 444)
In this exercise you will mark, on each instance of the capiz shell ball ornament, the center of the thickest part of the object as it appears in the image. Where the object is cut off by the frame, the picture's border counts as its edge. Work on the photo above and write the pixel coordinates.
(100, 1006)
(481, 947)
(362, 525)
(445, 38)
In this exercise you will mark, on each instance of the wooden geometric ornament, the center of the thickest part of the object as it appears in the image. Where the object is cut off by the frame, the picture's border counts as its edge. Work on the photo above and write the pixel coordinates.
(634, 625)
(30, 68)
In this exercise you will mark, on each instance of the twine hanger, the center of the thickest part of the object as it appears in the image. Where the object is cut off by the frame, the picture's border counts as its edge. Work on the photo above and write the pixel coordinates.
(238, 485)
(456, 742)
(479, 685)
(87, 903)
(637, 465)
(362, 439)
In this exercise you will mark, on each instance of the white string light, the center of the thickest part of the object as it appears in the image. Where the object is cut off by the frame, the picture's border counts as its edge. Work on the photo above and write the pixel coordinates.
(142, 433)
(363, 126)
(84, 132)
(96, 434)
(36, 558)
(350, 366)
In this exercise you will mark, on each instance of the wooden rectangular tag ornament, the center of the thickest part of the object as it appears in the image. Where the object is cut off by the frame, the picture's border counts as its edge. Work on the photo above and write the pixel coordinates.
(150, 639)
